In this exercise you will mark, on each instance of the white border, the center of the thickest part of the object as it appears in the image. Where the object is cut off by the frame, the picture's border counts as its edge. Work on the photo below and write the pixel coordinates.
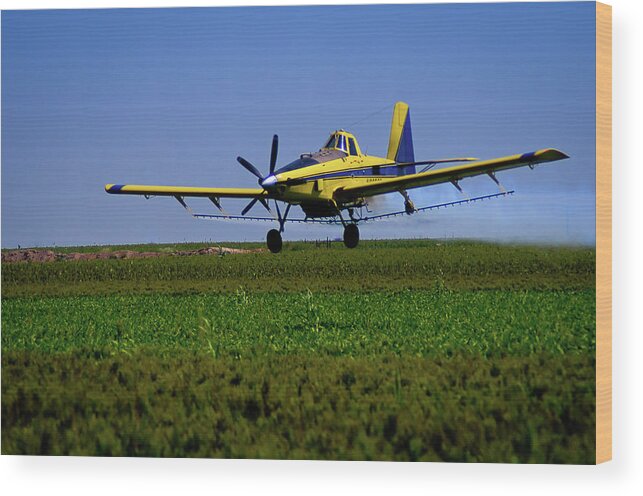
(69, 475)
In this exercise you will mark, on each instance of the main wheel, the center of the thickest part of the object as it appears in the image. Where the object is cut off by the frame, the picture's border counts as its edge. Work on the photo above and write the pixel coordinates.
(351, 236)
(273, 241)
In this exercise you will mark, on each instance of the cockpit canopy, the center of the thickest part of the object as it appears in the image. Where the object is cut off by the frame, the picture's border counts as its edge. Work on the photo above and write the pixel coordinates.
(343, 141)
(339, 145)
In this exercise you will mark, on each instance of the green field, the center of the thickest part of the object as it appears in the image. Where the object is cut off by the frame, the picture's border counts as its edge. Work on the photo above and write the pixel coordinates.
(407, 350)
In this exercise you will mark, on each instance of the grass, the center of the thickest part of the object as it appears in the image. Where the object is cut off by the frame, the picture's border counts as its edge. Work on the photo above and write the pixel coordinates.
(427, 322)
(142, 247)
(378, 265)
(536, 409)
(416, 350)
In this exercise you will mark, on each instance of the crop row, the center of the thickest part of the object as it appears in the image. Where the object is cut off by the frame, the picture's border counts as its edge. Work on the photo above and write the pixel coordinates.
(430, 322)
(304, 245)
(537, 409)
(455, 265)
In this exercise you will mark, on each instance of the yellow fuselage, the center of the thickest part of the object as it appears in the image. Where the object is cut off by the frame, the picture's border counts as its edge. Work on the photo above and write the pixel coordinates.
(318, 182)
(323, 179)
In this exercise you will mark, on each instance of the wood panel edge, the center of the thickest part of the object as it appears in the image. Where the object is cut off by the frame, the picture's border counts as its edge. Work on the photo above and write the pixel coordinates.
(603, 232)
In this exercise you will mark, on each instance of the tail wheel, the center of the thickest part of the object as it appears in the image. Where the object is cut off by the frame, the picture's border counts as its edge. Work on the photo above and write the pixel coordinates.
(273, 240)
(351, 236)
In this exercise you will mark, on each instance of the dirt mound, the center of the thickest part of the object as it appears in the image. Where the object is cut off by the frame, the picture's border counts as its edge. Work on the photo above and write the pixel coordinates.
(29, 256)
(32, 255)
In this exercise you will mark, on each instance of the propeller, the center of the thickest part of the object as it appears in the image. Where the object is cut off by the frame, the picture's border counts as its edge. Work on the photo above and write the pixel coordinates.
(250, 168)
(249, 206)
(273, 153)
(264, 182)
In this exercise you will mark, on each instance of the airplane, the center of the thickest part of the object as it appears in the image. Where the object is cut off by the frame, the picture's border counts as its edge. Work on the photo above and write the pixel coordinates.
(334, 185)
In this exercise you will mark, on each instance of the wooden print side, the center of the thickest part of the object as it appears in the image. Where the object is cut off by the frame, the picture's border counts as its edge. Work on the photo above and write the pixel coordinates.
(603, 232)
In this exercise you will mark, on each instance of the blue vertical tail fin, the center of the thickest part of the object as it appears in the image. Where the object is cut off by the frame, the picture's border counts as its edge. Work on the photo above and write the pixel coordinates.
(400, 144)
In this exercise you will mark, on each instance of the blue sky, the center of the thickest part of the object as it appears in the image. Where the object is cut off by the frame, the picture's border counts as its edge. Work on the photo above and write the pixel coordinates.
(172, 96)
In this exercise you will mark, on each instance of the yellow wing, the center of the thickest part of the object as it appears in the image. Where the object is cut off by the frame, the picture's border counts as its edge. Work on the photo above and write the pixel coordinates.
(449, 174)
(184, 191)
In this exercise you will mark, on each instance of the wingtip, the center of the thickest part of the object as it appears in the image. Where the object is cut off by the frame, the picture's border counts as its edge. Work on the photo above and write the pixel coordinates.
(558, 152)
(114, 188)
(552, 154)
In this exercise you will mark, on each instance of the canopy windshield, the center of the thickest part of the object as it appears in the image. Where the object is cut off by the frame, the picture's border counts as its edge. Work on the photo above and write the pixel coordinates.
(331, 141)
(323, 155)
(342, 142)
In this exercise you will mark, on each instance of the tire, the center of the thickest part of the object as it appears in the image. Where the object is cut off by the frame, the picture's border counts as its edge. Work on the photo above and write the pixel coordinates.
(351, 236)
(273, 240)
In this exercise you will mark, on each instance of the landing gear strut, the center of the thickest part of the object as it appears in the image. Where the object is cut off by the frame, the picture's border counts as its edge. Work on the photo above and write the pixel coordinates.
(274, 241)
(351, 235)
(409, 207)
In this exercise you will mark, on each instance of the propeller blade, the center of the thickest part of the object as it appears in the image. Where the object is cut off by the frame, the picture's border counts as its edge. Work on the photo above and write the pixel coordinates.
(249, 167)
(249, 206)
(265, 204)
(273, 153)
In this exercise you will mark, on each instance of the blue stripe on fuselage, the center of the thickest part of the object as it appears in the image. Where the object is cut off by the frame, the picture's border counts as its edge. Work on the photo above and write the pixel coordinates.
(391, 170)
